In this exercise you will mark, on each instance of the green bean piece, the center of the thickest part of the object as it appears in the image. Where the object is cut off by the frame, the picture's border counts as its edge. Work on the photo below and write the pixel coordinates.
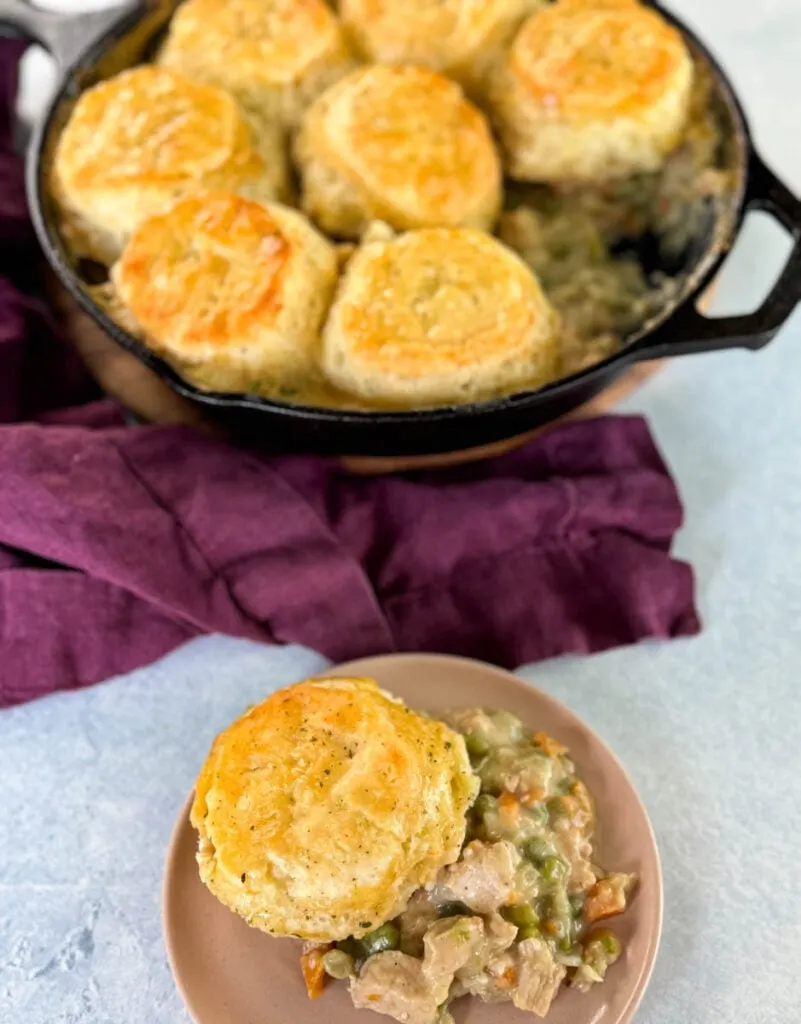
(529, 931)
(484, 805)
(354, 949)
(477, 746)
(381, 939)
(523, 915)
(454, 908)
(338, 964)
(553, 869)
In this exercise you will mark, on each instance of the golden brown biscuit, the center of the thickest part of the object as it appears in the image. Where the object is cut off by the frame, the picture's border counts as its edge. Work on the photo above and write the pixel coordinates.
(590, 90)
(400, 145)
(457, 37)
(275, 56)
(321, 810)
(232, 292)
(436, 317)
(139, 141)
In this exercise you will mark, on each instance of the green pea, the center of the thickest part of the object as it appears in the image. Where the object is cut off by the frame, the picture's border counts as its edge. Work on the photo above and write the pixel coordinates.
(557, 808)
(476, 745)
(553, 869)
(576, 904)
(381, 939)
(565, 943)
(338, 964)
(610, 943)
(523, 915)
(484, 805)
(454, 908)
(354, 949)
(537, 850)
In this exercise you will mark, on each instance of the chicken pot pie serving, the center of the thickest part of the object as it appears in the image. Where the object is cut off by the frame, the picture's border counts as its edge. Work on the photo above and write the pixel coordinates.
(136, 143)
(438, 316)
(334, 813)
(591, 90)
(275, 56)
(231, 291)
(457, 37)
(401, 145)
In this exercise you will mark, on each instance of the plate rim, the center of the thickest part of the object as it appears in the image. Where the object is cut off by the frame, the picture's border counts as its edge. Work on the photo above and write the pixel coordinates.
(351, 667)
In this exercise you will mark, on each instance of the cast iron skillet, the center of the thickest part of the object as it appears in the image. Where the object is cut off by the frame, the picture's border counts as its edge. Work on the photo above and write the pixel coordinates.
(91, 46)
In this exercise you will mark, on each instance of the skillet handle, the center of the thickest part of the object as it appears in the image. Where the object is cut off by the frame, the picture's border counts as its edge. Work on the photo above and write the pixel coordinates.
(66, 35)
(690, 332)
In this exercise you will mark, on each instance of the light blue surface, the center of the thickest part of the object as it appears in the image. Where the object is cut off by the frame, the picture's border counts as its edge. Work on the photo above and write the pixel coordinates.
(90, 783)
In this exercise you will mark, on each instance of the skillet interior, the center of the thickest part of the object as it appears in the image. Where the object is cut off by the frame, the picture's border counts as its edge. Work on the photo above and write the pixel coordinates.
(136, 38)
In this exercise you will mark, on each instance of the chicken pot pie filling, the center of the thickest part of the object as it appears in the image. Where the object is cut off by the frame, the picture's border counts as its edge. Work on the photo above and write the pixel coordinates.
(522, 911)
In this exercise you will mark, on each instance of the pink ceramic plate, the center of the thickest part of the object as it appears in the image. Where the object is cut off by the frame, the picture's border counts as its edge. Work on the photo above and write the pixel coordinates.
(229, 973)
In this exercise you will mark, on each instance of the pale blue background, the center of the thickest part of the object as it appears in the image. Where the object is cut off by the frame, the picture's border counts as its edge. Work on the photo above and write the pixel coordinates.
(90, 783)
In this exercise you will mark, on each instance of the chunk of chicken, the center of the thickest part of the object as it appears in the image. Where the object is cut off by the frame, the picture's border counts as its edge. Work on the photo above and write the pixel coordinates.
(393, 983)
(498, 728)
(412, 990)
(415, 921)
(538, 977)
(576, 850)
(476, 977)
(483, 878)
(499, 933)
(449, 945)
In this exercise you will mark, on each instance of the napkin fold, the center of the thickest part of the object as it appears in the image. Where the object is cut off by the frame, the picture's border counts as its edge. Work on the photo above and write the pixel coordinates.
(119, 543)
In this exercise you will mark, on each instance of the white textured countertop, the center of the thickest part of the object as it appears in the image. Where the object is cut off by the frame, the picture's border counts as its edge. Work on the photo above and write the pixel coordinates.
(710, 728)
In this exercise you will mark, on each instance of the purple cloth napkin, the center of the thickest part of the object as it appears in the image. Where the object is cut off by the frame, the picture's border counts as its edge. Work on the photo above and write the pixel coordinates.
(117, 544)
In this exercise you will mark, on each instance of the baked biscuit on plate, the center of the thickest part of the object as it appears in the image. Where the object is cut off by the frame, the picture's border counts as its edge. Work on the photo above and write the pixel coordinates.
(275, 56)
(401, 145)
(136, 143)
(591, 90)
(457, 37)
(322, 809)
(438, 316)
(230, 291)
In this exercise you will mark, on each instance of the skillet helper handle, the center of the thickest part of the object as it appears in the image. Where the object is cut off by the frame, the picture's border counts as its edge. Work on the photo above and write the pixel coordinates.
(66, 35)
(690, 331)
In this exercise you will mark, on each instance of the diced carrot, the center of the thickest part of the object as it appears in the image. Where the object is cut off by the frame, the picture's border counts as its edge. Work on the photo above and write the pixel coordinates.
(374, 997)
(569, 805)
(606, 898)
(548, 745)
(509, 808)
(580, 792)
(508, 979)
(532, 796)
(551, 926)
(311, 964)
